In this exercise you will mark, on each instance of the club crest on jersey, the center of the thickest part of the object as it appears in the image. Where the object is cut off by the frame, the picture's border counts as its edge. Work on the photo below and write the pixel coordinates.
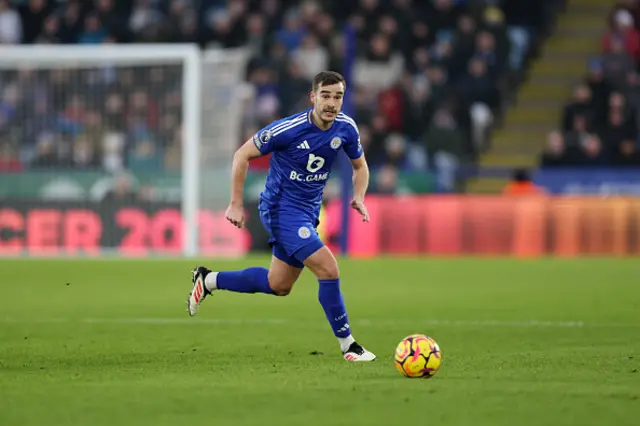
(304, 232)
(336, 142)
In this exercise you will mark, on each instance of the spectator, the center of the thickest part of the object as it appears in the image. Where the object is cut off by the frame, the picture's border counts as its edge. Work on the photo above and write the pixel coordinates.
(624, 31)
(51, 32)
(445, 148)
(525, 19)
(582, 104)
(521, 185)
(256, 35)
(579, 131)
(9, 161)
(386, 181)
(479, 93)
(617, 130)
(144, 17)
(10, 24)
(600, 89)
(292, 32)
(464, 40)
(380, 67)
(311, 56)
(556, 153)
(112, 20)
(627, 154)
(72, 24)
(592, 153)
(631, 6)
(94, 32)
(616, 64)
(33, 15)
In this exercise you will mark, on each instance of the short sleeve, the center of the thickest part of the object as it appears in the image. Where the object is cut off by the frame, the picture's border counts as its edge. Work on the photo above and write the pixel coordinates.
(267, 140)
(352, 145)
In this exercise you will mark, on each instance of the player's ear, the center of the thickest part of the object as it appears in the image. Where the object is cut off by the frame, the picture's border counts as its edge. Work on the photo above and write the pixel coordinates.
(312, 96)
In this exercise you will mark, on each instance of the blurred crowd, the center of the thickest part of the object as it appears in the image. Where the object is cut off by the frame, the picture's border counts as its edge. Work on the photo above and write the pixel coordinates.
(428, 76)
(599, 126)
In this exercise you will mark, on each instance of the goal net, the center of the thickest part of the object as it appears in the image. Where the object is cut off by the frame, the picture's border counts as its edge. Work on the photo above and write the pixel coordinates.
(120, 149)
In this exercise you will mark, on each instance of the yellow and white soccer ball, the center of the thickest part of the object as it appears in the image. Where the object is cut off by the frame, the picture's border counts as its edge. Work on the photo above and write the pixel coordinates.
(418, 356)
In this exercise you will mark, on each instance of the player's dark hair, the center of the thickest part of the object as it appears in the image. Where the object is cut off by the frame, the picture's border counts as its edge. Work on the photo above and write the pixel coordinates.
(327, 78)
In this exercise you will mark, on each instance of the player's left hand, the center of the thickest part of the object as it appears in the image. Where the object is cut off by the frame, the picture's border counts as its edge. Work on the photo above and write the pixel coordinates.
(359, 206)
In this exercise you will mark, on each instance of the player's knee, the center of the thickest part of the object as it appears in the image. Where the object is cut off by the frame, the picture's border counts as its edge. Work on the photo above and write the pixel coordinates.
(279, 285)
(281, 290)
(328, 271)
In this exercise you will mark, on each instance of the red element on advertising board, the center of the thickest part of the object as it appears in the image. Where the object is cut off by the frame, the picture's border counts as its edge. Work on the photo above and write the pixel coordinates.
(43, 236)
(162, 233)
(11, 220)
(445, 225)
(136, 224)
(165, 232)
(82, 230)
(441, 229)
(219, 238)
(131, 231)
(492, 226)
(361, 240)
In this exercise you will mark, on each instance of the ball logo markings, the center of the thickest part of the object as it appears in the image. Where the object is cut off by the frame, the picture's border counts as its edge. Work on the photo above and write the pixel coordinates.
(418, 356)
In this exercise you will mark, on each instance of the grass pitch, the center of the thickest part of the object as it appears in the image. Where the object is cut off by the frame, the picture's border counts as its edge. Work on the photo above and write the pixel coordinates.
(524, 343)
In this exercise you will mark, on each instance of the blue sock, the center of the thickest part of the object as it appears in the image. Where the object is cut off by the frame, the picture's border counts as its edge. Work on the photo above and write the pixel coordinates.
(250, 280)
(332, 302)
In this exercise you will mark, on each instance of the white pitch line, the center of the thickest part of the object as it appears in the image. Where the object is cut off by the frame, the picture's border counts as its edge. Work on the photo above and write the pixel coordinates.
(289, 322)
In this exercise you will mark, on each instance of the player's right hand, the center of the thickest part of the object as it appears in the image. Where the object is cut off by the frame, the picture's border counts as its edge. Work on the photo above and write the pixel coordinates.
(235, 215)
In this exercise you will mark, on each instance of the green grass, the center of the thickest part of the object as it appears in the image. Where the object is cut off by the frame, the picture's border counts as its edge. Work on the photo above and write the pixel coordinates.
(524, 343)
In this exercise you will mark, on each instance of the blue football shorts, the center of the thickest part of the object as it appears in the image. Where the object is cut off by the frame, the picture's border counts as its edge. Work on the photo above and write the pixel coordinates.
(292, 237)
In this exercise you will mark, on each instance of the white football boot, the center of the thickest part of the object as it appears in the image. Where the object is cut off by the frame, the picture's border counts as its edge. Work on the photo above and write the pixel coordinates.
(199, 291)
(357, 353)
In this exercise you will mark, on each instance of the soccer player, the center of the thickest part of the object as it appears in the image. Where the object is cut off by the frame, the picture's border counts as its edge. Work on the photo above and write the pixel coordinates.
(303, 148)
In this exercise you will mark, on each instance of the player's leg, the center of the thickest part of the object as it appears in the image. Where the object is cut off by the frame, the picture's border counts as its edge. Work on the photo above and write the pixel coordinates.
(325, 267)
(278, 280)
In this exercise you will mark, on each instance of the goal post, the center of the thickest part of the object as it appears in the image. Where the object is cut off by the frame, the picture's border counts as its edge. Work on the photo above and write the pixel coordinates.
(215, 71)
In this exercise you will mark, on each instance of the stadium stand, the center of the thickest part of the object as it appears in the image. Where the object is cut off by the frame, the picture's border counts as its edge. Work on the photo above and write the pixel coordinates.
(574, 39)
(599, 126)
(429, 82)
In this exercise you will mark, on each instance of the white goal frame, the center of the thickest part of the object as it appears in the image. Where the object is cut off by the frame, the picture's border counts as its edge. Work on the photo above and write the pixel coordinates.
(13, 57)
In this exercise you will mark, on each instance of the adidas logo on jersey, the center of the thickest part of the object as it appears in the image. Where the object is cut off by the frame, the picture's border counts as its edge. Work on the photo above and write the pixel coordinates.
(304, 145)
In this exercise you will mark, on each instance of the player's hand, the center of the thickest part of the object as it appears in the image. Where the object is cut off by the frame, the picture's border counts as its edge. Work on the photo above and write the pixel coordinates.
(235, 215)
(359, 206)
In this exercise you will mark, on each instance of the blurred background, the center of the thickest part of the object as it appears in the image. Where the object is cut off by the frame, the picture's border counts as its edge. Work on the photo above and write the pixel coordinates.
(492, 126)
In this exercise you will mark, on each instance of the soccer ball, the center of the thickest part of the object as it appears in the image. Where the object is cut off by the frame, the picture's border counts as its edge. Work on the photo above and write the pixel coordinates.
(418, 356)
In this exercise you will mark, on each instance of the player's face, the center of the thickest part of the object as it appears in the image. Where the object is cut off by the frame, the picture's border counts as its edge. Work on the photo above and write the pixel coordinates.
(327, 101)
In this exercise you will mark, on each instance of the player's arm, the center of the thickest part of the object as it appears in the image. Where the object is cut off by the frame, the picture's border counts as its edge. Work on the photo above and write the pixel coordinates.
(354, 151)
(360, 185)
(360, 177)
(235, 212)
(241, 159)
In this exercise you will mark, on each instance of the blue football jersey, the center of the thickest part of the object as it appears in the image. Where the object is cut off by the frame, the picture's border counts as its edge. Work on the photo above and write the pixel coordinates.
(301, 158)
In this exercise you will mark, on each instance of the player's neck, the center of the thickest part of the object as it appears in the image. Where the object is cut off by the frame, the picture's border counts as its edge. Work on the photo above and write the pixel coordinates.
(320, 123)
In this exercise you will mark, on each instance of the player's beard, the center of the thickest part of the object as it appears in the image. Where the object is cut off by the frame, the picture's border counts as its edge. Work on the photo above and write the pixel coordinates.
(324, 120)
(328, 116)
